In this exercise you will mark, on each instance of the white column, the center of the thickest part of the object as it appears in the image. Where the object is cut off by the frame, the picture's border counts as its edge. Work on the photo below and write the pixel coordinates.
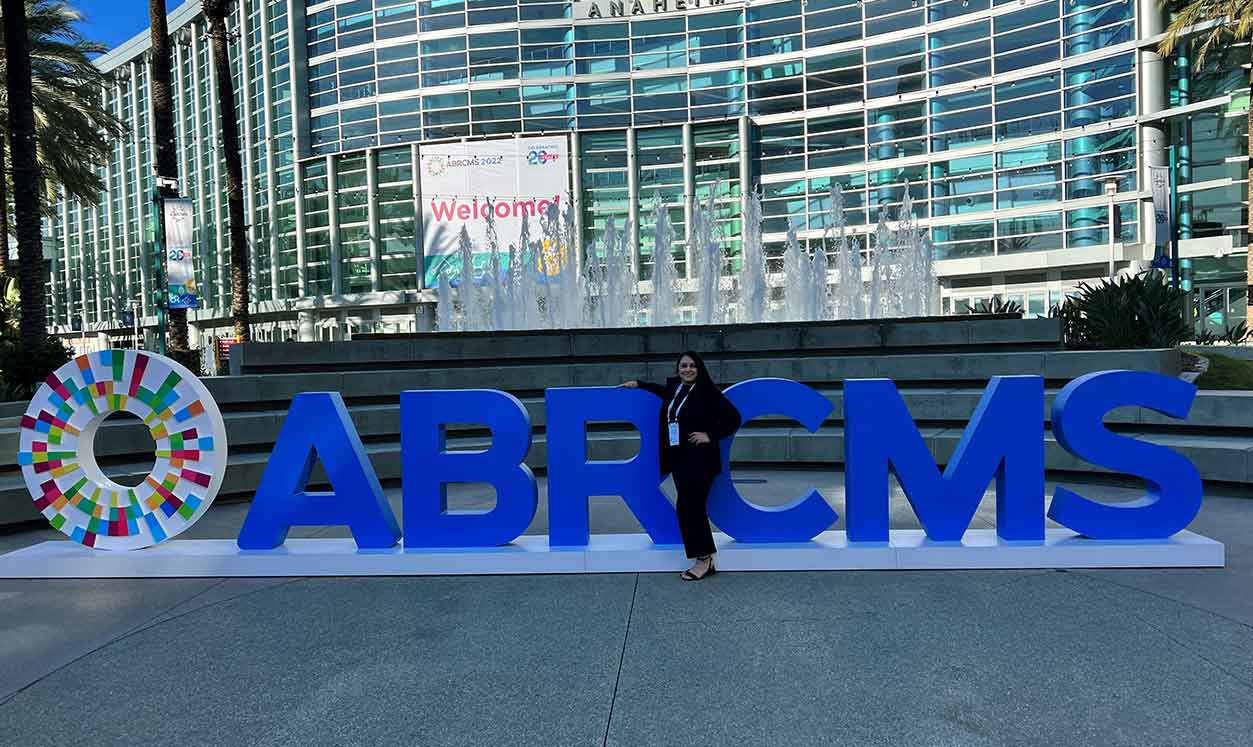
(633, 200)
(332, 207)
(306, 326)
(372, 212)
(249, 173)
(111, 238)
(689, 194)
(67, 277)
(96, 241)
(1152, 135)
(302, 270)
(127, 207)
(218, 187)
(419, 237)
(746, 168)
(271, 191)
(206, 182)
(576, 199)
(139, 197)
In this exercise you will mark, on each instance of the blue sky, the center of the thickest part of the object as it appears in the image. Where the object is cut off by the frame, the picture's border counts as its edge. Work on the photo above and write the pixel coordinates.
(112, 22)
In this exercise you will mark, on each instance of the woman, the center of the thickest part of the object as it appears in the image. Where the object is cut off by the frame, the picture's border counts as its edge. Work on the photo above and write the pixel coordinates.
(695, 417)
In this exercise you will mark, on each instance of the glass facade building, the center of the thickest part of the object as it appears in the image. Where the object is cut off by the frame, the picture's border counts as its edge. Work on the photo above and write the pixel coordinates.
(1003, 121)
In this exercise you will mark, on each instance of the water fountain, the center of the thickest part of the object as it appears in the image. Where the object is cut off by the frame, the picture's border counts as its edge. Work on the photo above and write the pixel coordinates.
(753, 289)
(538, 284)
(665, 278)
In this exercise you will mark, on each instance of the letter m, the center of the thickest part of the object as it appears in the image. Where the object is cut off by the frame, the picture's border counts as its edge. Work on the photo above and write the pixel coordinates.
(1003, 440)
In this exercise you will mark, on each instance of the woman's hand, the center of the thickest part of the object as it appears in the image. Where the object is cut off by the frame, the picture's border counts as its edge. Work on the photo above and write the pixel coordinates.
(632, 384)
(698, 437)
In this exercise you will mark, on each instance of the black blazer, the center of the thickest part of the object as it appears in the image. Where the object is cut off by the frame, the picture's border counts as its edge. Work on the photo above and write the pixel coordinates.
(707, 409)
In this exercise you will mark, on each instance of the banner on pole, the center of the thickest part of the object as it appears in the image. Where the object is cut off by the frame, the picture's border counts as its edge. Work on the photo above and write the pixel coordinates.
(179, 273)
(1159, 183)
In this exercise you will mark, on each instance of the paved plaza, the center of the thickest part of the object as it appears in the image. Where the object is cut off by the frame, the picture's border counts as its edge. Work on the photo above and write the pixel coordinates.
(876, 657)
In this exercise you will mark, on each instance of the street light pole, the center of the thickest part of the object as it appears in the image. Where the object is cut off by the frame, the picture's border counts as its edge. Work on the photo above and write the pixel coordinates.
(1111, 190)
(1174, 220)
(136, 307)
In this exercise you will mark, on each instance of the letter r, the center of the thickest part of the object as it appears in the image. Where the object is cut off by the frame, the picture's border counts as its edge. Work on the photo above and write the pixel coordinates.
(572, 478)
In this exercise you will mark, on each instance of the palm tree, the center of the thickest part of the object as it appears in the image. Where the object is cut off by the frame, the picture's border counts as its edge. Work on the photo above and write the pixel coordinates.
(215, 12)
(26, 174)
(1233, 22)
(73, 132)
(163, 128)
(73, 129)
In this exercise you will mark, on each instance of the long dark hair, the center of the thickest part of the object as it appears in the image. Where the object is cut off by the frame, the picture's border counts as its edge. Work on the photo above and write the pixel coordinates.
(702, 373)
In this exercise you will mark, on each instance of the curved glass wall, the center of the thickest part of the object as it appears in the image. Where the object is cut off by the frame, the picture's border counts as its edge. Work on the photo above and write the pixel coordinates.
(1001, 120)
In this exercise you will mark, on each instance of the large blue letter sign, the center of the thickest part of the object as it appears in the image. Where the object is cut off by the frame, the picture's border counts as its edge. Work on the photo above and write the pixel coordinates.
(797, 521)
(318, 427)
(572, 478)
(428, 467)
(1174, 491)
(1005, 438)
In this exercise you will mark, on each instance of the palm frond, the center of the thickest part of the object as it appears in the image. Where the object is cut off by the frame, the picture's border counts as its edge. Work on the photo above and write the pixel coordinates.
(1233, 21)
(74, 131)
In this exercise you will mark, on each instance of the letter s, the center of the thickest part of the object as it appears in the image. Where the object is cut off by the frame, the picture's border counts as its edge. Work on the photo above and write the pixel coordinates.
(1173, 497)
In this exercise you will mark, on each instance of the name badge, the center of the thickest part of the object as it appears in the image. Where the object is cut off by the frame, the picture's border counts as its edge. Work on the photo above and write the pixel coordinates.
(674, 434)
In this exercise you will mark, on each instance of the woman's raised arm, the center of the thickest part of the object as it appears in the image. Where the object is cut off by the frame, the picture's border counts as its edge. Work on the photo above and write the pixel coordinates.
(647, 386)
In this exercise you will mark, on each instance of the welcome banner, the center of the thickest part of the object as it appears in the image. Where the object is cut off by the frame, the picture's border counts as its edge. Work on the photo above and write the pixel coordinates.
(464, 183)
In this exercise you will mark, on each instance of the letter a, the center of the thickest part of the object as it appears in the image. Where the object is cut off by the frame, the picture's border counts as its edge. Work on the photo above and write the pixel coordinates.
(318, 427)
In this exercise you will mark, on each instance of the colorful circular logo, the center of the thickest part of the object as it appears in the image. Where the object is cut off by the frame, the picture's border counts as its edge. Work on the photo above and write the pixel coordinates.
(57, 450)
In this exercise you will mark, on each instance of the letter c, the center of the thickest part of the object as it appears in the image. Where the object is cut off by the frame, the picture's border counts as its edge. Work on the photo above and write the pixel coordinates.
(798, 521)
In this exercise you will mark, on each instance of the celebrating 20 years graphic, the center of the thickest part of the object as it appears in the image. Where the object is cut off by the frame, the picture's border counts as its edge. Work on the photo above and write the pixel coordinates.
(1002, 446)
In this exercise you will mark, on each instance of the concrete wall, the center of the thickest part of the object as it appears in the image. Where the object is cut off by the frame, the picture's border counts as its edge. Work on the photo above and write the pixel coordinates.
(849, 338)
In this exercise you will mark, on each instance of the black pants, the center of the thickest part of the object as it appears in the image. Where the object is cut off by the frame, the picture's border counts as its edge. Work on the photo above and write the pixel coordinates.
(693, 488)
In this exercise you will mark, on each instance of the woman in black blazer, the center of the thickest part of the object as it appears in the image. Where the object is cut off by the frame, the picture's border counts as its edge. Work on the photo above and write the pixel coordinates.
(696, 415)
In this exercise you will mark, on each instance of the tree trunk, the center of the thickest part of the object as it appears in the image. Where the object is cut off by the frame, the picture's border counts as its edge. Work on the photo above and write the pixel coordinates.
(4, 207)
(215, 12)
(26, 177)
(163, 129)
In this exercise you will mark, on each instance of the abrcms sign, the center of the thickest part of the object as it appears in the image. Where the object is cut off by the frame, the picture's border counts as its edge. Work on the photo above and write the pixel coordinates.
(1003, 445)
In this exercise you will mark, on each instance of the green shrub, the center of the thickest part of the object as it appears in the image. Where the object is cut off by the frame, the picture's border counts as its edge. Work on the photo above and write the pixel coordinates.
(1139, 311)
(996, 305)
(1233, 335)
(23, 370)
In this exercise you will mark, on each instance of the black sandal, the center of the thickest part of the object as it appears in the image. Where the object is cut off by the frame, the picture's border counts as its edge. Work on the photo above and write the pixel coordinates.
(689, 576)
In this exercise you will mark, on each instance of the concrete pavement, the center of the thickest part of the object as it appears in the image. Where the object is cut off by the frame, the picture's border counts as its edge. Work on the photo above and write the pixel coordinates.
(989, 657)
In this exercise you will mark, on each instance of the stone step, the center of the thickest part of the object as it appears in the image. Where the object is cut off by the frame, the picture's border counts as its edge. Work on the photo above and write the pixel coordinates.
(934, 370)
(850, 337)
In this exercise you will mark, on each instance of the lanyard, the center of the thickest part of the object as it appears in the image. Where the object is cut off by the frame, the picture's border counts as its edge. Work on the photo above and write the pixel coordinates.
(674, 411)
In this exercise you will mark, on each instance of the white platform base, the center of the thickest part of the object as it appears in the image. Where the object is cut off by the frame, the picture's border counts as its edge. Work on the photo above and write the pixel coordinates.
(908, 549)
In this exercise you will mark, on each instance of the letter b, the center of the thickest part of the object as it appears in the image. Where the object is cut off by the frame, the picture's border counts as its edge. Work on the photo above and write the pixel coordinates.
(428, 467)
